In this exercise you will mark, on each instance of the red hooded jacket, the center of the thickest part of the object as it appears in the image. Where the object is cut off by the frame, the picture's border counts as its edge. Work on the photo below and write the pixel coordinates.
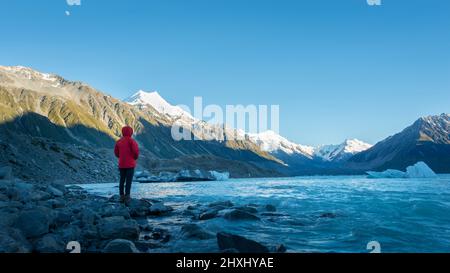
(127, 149)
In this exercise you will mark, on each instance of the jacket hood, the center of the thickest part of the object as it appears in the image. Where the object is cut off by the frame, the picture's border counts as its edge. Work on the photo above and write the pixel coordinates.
(127, 131)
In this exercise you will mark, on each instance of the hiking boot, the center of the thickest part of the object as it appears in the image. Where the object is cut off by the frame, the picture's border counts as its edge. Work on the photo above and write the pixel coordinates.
(122, 199)
(127, 199)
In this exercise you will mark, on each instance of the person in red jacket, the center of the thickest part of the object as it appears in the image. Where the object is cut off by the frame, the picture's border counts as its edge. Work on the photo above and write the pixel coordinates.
(127, 150)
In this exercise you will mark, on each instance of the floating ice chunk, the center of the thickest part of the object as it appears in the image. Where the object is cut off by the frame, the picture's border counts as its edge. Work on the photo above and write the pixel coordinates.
(387, 174)
(220, 176)
(419, 170)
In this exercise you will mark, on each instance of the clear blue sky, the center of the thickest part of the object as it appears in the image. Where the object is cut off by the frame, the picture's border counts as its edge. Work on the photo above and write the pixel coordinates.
(338, 69)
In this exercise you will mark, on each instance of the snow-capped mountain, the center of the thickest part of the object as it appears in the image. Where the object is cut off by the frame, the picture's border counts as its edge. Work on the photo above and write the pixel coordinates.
(29, 73)
(267, 141)
(143, 99)
(42, 109)
(271, 142)
(342, 151)
(427, 140)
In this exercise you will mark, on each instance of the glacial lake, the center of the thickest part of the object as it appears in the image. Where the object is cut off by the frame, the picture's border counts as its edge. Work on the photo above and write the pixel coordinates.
(314, 214)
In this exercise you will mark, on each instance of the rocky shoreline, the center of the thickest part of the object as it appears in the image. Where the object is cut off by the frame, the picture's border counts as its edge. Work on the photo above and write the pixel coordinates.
(55, 218)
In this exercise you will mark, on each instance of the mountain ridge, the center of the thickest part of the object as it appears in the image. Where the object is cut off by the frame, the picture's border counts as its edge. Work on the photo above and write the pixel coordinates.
(427, 140)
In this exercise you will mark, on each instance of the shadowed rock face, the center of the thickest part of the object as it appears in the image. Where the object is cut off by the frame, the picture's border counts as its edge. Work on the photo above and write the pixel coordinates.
(228, 241)
(427, 140)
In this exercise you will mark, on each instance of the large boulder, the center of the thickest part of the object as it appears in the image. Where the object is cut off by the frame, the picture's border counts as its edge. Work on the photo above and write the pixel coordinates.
(69, 233)
(139, 207)
(237, 214)
(118, 227)
(159, 208)
(13, 241)
(120, 246)
(50, 243)
(193, 231)
(243, 245)
(61, 217)
(209, 214)
(89, 217)
(34, 222)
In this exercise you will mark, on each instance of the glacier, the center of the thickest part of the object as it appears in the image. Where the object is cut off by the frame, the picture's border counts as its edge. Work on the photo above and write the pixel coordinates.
(418, 170)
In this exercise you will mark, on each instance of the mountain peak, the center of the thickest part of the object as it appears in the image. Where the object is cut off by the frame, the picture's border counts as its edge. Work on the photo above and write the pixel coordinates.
(29, 73)
(342, 151)
(143, 98)
(270, 141)
(432, 128)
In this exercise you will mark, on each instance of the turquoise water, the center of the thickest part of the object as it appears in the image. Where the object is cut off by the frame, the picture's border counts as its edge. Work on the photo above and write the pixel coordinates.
(403, 215)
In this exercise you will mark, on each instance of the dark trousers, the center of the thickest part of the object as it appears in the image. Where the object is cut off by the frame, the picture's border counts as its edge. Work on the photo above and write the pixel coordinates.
(126, 178)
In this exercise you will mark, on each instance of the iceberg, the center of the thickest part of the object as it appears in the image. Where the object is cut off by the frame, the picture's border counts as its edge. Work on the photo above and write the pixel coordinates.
(220, 176)
(387, 174)
(181, 176)
(418, 170)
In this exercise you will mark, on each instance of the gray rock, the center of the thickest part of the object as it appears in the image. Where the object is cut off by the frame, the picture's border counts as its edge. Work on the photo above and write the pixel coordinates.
(280, 249)
(146, 227)
(273, 214)
(270, 208)
(62, 217)
(208, 215)
(247, 209)
(193, 231)
(115, 198)
(118, 227)
(145, 246)
(90, 232)
(21, 192)
(243, 245)
(38, 195)
(56, 203)
(328, 215)
(50, 243)
(7, 244)
(23, 185)
(227, 204)
(89, 217)
(120, 246)
(236, 215)
(74, 188)
(139, 208)
(59, 185)
(54, 191)
(5, 173)
(34, 222)
(69, 234)
(159, 208)
(121, 211)
(12, 241)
